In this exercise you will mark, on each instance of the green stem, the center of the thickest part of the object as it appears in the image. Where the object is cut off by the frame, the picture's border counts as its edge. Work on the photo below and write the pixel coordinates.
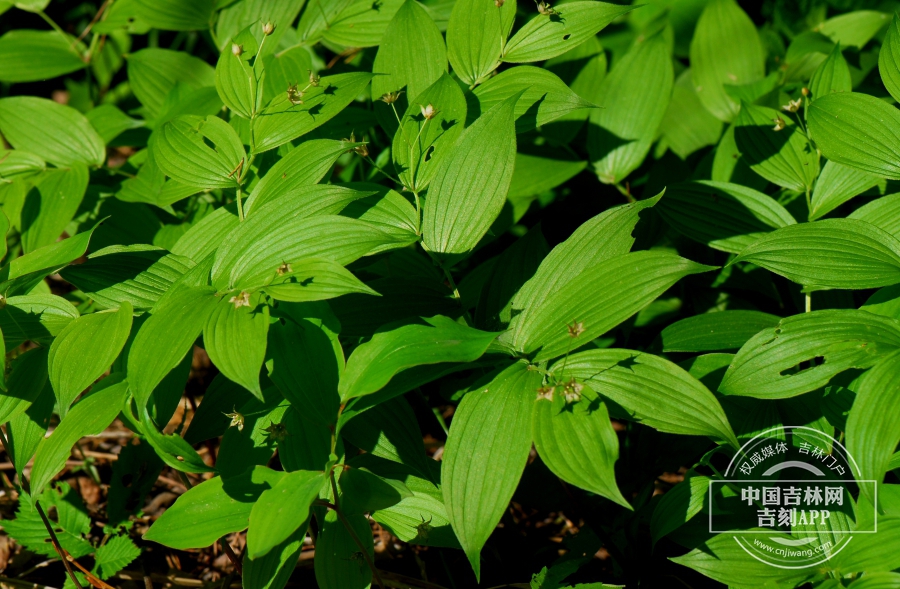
(380, 169)
(418, 213)
(352, 532)
(808, 301)
(51, 22)
(240, 203)
(625, 192)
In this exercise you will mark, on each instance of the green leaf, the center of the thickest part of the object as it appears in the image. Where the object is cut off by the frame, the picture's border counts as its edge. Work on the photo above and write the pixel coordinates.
(873, 429)
(303, 166)
(836, 185)
(724, 24)
(854, 29)
(282, 510)
(235, 339)
(175, 15)
(724, 216)
(273, 570)
(31, 56)
(239, 15)
(678, 506)
(783, 156)
(832, 75)
(212, 509)
(179, 148)
(362, 23)
(27, 429)
(364, 492)
(51, 204)
(165, 338)
(650, 390)
(593, 298)
(546, 36)
(634, 98)
(722, 330)
(27, 379)
(205, 236)
(577, 443)
(237, 81)
(17, 163)
(687, 126)
(339, 564)
(133, 274)
(284, 69)
(28, 528)
(475, 36)
(412, 53)
(583, 69)
(889, 58)
(883, 213)
(543, 96)
(831, 253)
(110, 122)
(420, 145)
(372, 364)
(486, 451)
(857, 130)
(871, 553)
(59, 134)
(71, 370)
(315, 280)
(469, 190)
(771, 364)
(535, 174)
(153, 73)
(281, 121)
(115, 555)
(88, 417)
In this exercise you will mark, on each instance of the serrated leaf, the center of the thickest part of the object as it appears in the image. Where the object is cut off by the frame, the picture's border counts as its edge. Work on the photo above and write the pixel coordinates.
(59, 134)
(115, 555)
(770, 365)
(486, 451)
(476, 33)
(282, 510)
(651, 390)
(831, 253)
(104, 334)
(634, 98)
(235, 339)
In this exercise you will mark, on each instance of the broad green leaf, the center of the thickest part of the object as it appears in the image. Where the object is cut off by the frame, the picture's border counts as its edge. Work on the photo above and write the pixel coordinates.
(236, 16)
(372, 365)
(154, 72)
(873, 429)
(71, 370)
(651, 390)
(51, 204)
(593, 299)
(486, 451)
(836, 185)
(420, 144)
(678, 505)
(577, 442)
(871, 553)
(180, 150)
(476, 35)
(88, 417)
(235, 339)
(282, 121)
(31, 56)
(857, 130)
(282, 510)
(544, 97)
(38, 318)
(110, 122)
(771, 364)
(315, 19)
(412, 53)
(150, 186)
(284, 69)
(172, 449)
(315, 280)
(546, 36)
(17, 163)
(273, 570)
(362, 23)
(879, 580)
(468, 189)
(687, 126)
(583, 69)
(420, 519)
(205, 236)
(831, 253)
(339, 564)
(136, 274)
(783, 156)
(634, 98)
(26, 430)
(166, 337)
(305, 165)
(889, 58)
(254, 251)
(27, 379)
(724, 24)
(175, 15)
(212, 509)
(854, 29)
(363, 491)
(882, 212)
(59, 134)
(833, 75)
(729, 165)
(724, 216)
(237, 81)
(722, 330)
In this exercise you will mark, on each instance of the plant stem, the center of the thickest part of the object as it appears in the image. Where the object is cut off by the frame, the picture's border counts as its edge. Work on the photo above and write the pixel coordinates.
(383, 173)
(352, 532)
(240, 203)
(808, 297)
(51, 22)
(56, 545)
(625, 192)
(226, 547)
(418, 213)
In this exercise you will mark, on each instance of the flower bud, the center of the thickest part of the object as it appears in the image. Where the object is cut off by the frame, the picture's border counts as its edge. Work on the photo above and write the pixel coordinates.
(428, 111)
(237, 50)
(268, 28)
(313, 79)
(779, 124)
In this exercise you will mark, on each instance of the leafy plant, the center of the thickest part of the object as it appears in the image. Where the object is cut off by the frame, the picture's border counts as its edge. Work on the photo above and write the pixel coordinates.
(609, 243)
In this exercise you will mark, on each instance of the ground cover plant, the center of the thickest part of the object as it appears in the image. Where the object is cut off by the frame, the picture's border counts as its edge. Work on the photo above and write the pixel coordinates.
(442, 293)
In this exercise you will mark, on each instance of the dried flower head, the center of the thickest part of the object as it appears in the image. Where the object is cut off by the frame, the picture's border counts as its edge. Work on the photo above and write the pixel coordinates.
(285, 268)
(428, 111)
(241, 300)
(237, 419)
(793, 105)
(423, 529)
(313, 79)
(295, 95)
(779, 124)
(237, 50)
(499, 3)
(572, 391)
(545, 393)
(362, 150)
(276, 432)
(391, 97)
(268, 28)
(543, 8)
(576, 329)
